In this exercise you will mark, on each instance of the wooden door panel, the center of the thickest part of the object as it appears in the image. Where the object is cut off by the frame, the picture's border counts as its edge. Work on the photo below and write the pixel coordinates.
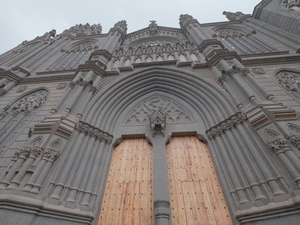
(196, 195)
(128, 195)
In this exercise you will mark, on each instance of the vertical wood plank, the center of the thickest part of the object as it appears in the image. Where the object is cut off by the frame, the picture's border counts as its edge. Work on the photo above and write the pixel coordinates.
(128, 194)
(196, 194)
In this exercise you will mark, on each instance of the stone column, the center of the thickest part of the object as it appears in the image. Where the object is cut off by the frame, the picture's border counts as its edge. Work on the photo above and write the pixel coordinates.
(68, 165)
(288, 158)
(70, 87)
(264, 169)
(50, 155)
(21, 156)
(161, 195)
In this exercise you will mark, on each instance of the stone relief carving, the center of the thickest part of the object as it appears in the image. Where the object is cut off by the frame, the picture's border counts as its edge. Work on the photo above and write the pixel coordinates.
(258, 71)
(158, 121)
(173, 111)
(290, 81)
(84, 30)
(62, 86)
(31, 102)
(226, 33)
(280, 145)
(290, 4)
(92, 131)
(226, 125)
(294, 135)
(233, 16)
(84, 47)
(21, 89)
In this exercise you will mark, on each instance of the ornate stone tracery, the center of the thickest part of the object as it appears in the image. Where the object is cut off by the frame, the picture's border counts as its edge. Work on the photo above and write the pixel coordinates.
(174, 112)
(84, 30)
(226, 33)
(290, 81)
(290, 4)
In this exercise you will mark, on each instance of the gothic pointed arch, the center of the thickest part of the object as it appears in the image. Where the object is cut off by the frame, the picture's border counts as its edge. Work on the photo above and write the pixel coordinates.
(290, 81)
(38, 141)
(209, 103)
(271, 135)
(18, 113)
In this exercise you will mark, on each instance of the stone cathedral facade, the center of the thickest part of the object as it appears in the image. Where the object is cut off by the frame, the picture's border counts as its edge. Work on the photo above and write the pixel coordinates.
(190, 125)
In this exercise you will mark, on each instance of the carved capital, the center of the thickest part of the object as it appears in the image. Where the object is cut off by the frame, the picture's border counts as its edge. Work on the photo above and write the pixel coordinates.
(117, 142)
(226, 125)
(51, 154)
(36, 152)
(23, 153)
(280, 145)
(295, 140)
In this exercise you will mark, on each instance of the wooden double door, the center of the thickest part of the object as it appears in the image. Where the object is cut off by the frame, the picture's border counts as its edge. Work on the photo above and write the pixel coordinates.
(195, 193)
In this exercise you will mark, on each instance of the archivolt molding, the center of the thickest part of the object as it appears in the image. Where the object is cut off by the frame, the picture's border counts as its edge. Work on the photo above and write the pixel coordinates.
(175, 113)
(209, 101)
(290, 4)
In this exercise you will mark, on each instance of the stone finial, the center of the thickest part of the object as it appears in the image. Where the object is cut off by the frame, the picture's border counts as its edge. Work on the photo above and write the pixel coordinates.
(184, 18)
(233, 16)
(122, 24)
(153, 27)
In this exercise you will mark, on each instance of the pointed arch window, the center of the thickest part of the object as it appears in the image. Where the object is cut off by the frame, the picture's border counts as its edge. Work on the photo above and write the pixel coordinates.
(194, 57)
(148, 59)
(138, 60)
(182, 58)
(290, 81)
(116, 63)
(127, 62)
(15, 117)
(171, 57)
(159, 58)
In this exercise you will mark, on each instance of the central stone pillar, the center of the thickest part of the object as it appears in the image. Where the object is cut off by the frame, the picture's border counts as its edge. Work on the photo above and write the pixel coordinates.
(161, 194)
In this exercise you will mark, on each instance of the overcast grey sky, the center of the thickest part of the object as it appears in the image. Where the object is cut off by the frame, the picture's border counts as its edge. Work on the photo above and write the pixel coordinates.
(25, 19)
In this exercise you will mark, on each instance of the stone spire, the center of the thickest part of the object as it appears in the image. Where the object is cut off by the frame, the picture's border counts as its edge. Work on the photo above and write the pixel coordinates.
(185, 18)
(121, 24)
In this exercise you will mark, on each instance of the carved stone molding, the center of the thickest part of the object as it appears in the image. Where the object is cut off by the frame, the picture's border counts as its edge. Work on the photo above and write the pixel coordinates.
(51, 154)
(290, 3)
(174, 112)
(280, 145)
(290, 81)
(62, 86)
(21, 89)
(295, 140)
(158, 122)
(30, 102)
(23, 152)
(258, 71)
(226, 125)
(36, 152)
(227, 33)
(92, 131)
